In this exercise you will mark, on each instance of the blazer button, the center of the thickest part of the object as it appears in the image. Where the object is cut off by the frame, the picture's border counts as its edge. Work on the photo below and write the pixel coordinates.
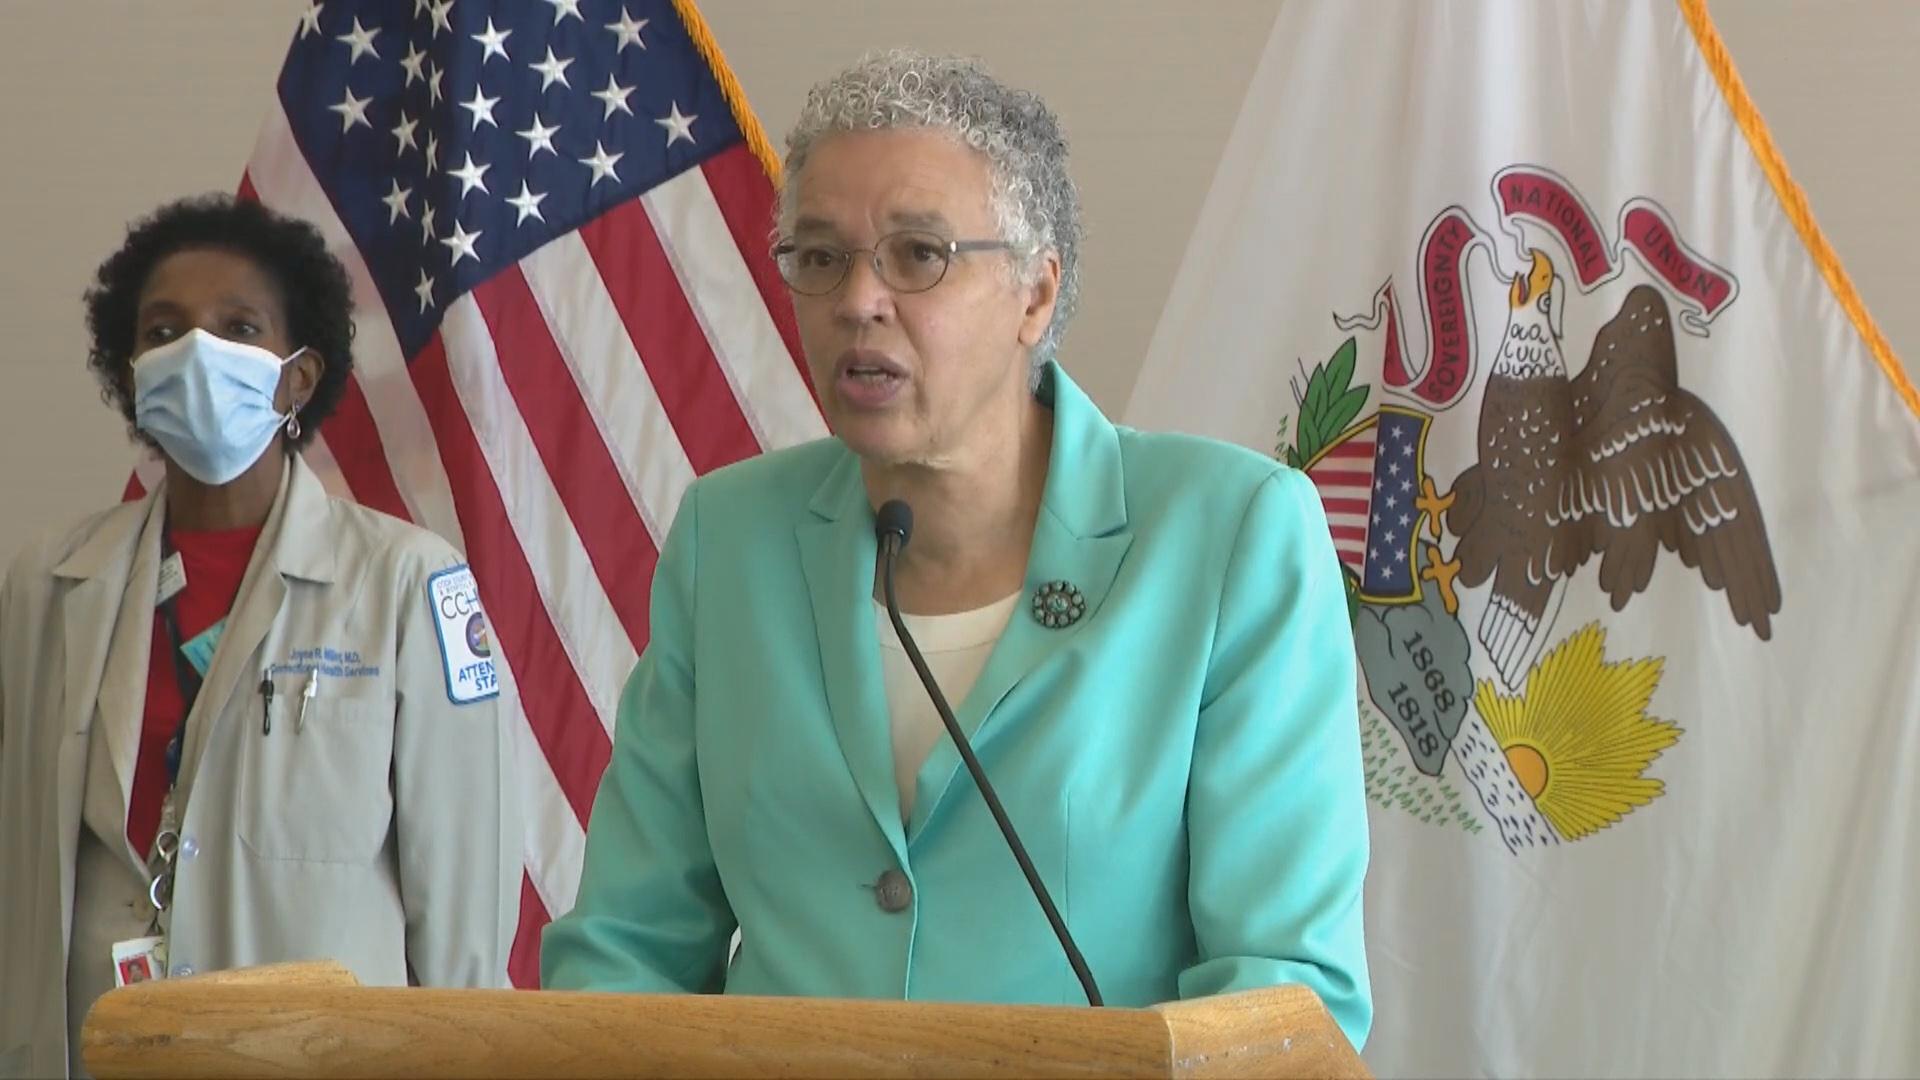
(893, 892)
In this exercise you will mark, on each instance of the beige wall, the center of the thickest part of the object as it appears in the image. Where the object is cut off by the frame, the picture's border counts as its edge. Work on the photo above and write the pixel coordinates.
(168, 95)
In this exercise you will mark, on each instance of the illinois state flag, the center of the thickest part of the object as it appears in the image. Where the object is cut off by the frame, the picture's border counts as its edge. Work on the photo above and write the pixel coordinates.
(1624, 484)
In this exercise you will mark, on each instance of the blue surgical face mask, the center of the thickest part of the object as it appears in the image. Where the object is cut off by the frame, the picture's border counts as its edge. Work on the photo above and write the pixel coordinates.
(208, 402)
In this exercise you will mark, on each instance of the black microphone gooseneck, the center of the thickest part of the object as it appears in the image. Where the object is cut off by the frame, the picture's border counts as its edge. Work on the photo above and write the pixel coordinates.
(893, 525)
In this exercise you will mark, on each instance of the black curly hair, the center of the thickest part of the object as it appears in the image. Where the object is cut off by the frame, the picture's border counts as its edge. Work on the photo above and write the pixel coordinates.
(313, 287)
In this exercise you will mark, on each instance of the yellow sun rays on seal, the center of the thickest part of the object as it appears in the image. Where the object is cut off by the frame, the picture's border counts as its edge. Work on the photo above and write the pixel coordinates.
(1578, 736)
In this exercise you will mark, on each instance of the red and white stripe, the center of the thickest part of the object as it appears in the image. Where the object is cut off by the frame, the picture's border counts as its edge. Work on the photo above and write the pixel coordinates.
(1344, 477)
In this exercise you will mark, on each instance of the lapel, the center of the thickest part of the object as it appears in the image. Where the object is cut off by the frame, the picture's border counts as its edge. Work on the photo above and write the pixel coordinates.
(108, 615)
(294, 543)
(837, 553)
(101, 614)
(1080, 537)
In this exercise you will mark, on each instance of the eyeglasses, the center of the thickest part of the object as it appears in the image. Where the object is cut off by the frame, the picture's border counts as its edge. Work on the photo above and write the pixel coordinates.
(908, 261)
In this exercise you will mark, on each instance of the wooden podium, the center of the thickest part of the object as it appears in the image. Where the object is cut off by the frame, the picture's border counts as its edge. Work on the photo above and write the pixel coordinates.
(316, 1020)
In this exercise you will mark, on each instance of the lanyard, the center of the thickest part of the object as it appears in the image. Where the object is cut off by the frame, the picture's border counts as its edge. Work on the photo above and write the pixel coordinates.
(166, 842)
(184, 676)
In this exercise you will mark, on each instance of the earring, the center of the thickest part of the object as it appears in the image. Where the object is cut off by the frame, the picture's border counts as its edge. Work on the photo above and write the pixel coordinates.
(293, 425)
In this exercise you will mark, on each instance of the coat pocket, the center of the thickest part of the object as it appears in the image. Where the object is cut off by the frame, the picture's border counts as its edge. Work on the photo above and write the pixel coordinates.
(319, 788)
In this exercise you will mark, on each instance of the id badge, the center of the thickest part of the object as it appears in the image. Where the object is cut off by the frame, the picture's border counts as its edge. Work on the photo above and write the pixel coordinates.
(199, 651)
(139, 960)
(173, 579)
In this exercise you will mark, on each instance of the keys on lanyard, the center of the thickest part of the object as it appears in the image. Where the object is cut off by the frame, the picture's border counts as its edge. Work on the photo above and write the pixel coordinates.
(162, 862)
(166, 852)
(143, 958)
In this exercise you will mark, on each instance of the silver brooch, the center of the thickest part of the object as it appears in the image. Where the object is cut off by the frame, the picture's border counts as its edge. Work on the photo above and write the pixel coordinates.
(1058, 605)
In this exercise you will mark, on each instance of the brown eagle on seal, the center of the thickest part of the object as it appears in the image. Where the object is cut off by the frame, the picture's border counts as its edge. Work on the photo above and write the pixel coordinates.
(1619, 461)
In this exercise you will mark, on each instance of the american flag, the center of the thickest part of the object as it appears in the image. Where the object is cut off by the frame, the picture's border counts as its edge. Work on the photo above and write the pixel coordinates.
(556, 218)
(1368, 481)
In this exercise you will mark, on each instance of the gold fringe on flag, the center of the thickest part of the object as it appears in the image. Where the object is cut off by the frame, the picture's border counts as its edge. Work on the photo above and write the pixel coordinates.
(749, 124)
(1720, 62)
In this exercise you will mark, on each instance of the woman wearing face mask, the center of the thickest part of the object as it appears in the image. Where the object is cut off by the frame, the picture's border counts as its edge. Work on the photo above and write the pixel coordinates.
(240, 721)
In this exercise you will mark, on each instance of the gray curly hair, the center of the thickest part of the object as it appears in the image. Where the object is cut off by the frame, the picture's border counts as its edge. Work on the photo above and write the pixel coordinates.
(1034, 199)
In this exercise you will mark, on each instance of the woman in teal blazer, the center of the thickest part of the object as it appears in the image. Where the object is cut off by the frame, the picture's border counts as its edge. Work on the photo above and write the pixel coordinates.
(1176, 742)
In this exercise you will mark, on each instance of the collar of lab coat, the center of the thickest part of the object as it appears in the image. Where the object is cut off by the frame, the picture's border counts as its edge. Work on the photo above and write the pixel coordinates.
(107, 613)
(304, 551)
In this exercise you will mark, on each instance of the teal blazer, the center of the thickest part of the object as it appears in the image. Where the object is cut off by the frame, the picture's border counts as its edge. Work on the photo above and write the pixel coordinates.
(1183, 762)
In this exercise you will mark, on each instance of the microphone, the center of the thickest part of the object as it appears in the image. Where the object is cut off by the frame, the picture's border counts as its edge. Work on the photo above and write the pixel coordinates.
(893, 526)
